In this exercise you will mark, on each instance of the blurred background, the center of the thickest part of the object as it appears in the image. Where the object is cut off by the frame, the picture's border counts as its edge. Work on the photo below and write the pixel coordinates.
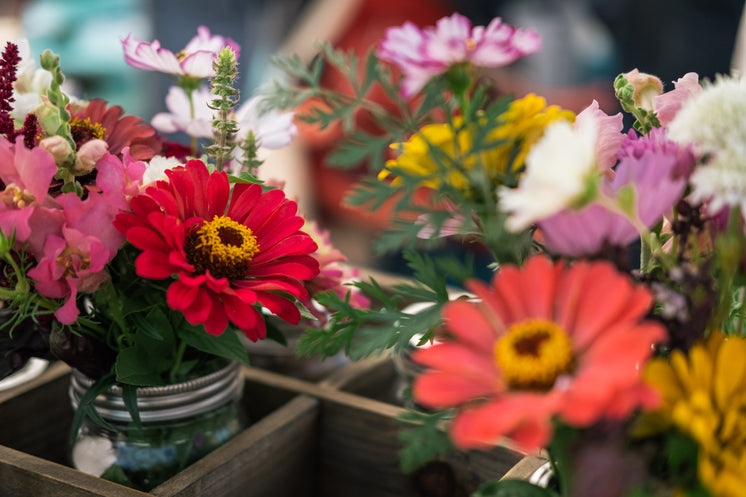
(586, 44)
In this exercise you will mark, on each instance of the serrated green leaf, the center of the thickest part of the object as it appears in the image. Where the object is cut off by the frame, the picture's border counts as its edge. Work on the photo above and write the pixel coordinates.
(424, 443)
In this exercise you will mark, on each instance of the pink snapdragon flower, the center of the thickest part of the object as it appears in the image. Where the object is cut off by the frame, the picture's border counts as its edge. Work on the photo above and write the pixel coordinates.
(73, 260)
(669, 103)
(194, 61)
(424, 53)
(74, 239)
(657, 170)
(26, 175)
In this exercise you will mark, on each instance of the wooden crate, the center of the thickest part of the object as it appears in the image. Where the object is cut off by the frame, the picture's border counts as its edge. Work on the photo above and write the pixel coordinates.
(335, 437)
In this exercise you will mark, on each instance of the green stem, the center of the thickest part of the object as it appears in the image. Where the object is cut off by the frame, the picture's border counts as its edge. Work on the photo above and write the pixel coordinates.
(177, 361)
(190, 96)
(222, 140)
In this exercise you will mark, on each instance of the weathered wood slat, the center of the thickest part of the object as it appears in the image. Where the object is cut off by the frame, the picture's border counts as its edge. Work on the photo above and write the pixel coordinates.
(273, 457)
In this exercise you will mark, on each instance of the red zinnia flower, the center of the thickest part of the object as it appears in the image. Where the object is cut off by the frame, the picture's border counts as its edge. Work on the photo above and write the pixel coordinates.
(98, 120)
(226, 256)
(546, 340)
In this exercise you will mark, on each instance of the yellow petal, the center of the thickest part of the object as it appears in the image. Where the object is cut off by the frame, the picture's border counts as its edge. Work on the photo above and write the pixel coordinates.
(730, 374)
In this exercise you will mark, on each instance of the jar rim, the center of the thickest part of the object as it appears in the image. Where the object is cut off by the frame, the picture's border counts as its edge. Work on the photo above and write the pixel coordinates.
(167, 402)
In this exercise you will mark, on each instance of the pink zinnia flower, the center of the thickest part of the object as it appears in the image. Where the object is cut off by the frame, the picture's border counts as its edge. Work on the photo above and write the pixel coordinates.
(226, 251)
(656, 168)
(99, 120)
(333, 274)
(194, 61)
(544, 340)
(25, 176)
(424, 53)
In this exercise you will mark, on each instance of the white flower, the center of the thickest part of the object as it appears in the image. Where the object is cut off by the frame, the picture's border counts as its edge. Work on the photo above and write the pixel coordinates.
(157, 167)
(272, 129)
(180, 118)
(558, 168)
(714, 122)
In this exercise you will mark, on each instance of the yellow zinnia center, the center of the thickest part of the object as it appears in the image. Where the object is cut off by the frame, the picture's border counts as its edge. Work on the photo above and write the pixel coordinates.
(222, 246)
(84, 130)
(533, 353)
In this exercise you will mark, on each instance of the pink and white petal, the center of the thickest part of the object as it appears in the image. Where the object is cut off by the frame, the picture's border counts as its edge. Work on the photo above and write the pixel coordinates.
(199, 64)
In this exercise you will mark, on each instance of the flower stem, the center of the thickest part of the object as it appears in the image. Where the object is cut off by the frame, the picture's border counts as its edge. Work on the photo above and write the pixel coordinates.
(190, 96)
(177, 361)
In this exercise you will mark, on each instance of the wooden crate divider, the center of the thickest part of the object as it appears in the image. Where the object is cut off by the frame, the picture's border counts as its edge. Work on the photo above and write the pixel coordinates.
(335, 437)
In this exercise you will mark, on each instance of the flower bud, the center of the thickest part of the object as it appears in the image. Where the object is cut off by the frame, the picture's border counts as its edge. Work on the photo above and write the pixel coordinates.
(88, 155)
(646, 88)
(59, 148)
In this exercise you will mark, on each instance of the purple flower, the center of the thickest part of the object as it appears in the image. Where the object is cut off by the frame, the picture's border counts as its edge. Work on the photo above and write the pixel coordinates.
(424, 53)
(657, 170)
(194, 61)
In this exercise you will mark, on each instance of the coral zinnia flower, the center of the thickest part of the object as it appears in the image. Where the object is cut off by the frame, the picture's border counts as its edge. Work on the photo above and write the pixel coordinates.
(704, 396)
(227, 251)
(546, 340)
(99, 121)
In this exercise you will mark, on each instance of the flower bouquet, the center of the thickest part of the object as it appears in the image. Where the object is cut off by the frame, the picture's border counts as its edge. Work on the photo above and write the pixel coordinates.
(135, 261)
(593, 306)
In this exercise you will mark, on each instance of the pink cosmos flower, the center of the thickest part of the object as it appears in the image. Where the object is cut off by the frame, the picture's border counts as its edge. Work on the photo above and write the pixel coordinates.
(26, 175)
(543, 340)
(195, 60)
(656, 168)
(668, 104)
(424, 53)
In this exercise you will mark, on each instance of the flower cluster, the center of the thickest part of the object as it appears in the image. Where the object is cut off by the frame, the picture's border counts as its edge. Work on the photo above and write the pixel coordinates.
(134, 263)
(608, 326)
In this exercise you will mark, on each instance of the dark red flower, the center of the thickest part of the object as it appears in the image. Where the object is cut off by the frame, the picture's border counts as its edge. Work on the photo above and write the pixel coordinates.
(227, 251)
(98, 120)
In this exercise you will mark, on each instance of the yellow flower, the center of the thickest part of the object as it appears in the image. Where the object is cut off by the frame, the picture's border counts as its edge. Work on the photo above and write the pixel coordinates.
(704, 396)
(524, 124)
(520, 128)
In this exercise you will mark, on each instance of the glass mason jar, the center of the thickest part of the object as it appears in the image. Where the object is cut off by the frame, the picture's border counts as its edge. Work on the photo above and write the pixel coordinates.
(180, 423)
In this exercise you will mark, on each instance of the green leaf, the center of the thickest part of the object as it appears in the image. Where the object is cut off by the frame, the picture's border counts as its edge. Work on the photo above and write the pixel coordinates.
(86, 407)
(225, 345)
(129, 396)
(512, 488)
(424, 443)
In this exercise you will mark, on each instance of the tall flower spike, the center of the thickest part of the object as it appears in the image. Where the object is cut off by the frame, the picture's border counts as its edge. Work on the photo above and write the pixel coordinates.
(223, 125)
(8, 66)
